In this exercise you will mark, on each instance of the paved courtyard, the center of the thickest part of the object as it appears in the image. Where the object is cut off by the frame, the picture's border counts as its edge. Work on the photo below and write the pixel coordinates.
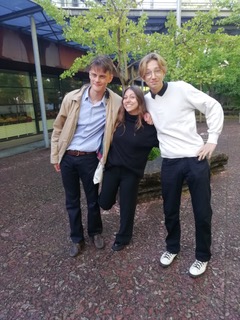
(39, 281)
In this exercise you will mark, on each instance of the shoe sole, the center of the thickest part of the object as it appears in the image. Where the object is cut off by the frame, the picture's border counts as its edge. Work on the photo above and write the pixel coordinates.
(118, 248)
(167, 265)
(196, 276)
(102, 247)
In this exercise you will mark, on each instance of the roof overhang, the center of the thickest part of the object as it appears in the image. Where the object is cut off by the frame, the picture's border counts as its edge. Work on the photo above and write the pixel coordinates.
(16, 14)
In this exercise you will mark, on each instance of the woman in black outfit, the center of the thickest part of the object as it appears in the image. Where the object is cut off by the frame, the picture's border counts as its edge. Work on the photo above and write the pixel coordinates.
(132, 141)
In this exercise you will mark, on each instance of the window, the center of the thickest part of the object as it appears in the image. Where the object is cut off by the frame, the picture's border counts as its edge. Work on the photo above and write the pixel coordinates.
(52, 96)
(16, 104)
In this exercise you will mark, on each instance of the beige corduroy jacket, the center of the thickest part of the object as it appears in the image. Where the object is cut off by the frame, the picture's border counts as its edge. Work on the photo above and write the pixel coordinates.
(65, 124)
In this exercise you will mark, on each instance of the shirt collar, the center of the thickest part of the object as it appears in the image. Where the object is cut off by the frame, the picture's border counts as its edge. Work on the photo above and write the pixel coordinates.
(160, 92)
(86, 95)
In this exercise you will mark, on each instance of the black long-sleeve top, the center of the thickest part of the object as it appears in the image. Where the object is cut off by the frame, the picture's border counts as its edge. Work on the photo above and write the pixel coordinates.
(130, 147)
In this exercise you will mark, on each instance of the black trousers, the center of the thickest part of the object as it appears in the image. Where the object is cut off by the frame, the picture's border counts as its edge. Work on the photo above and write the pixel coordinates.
(127, 182)
(74, 169)
(197, 175)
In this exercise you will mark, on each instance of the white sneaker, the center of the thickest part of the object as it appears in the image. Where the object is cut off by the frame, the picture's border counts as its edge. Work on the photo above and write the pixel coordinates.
(198, 268)
(167, 258)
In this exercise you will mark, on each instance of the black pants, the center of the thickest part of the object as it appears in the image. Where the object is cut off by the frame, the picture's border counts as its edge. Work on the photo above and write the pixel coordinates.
(197, 175)
(127, 182)
(74, 169)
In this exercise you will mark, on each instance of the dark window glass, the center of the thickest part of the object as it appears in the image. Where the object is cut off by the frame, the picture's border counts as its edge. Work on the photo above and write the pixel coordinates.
(14, 79)
(48, 82)
(15, 96)
(16, 104)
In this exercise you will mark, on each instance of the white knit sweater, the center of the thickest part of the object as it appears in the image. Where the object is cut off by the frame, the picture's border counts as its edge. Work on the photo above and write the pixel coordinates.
(173, 115)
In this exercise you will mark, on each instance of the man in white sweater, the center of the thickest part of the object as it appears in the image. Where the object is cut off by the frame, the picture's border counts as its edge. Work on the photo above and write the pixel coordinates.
(172, 106)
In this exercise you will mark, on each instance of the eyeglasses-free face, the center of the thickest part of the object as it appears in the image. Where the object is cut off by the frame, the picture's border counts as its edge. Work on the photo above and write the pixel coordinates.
(99, 79)
(130, 102)
(95, 76)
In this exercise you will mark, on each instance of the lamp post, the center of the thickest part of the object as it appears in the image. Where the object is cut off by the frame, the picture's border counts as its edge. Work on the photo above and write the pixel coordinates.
(179, 12)
(39, 81)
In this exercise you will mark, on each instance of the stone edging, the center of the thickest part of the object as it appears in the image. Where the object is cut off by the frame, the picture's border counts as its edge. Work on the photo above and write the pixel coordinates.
(150, 184)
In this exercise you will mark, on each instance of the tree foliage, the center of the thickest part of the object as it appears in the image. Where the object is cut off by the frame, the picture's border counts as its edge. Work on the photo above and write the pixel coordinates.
(234, 7)
(209, 60)
(194, 53)
(105, 29)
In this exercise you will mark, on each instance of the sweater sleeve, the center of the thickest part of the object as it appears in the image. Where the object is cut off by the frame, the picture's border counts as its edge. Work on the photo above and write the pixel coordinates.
(212, 110)
(151, 139)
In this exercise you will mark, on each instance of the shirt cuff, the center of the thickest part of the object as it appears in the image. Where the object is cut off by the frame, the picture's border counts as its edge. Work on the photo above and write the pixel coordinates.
(213, 138)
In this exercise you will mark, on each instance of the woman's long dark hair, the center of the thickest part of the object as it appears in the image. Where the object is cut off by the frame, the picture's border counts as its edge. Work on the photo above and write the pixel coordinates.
(141, 108)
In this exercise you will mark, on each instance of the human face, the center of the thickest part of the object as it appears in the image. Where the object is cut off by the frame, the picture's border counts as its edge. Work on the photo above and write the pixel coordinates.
(154, 76)
(99, 79)
(130, 102)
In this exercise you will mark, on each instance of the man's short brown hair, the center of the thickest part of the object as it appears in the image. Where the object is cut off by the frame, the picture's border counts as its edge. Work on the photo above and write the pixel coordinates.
(103, 62)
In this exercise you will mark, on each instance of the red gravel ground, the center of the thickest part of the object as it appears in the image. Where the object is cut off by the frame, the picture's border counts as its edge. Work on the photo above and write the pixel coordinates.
(40, 281)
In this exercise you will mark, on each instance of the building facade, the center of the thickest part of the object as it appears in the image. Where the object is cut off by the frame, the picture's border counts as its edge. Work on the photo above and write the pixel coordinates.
(19, 104)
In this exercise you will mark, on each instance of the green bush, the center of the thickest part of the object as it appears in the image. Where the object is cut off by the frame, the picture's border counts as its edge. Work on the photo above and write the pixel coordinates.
(154, 153)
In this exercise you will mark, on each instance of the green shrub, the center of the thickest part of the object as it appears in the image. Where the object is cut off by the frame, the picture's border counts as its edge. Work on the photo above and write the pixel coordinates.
(154, 153)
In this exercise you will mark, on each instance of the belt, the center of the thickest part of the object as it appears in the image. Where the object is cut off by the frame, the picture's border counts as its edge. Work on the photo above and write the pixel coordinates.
(77, 153)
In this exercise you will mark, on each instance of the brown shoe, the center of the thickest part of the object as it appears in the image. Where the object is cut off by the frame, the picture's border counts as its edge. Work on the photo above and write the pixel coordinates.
(98, 241)
(76, 248)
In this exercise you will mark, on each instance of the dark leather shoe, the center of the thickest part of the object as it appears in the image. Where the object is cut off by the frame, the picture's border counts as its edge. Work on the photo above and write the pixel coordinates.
(98, 241)
(117, 246)
(76, 249)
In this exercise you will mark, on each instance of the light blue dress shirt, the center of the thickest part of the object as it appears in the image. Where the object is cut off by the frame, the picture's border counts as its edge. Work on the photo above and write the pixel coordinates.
(90, 125)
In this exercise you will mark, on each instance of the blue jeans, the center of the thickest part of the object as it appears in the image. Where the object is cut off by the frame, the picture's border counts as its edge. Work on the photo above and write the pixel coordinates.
(197, 175)
(74, 169)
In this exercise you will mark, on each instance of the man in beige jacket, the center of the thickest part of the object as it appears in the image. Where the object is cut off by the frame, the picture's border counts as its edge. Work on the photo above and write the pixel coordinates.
(87, 115)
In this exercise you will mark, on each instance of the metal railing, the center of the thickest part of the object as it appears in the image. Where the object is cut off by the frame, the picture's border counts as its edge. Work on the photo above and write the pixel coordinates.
(146, 4)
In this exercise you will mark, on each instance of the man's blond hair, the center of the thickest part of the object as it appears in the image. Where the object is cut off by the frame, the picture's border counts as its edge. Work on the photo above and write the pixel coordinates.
(151, 56)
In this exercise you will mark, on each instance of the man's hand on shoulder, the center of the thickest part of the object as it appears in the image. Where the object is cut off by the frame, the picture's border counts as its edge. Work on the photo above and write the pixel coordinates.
(147, 117)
